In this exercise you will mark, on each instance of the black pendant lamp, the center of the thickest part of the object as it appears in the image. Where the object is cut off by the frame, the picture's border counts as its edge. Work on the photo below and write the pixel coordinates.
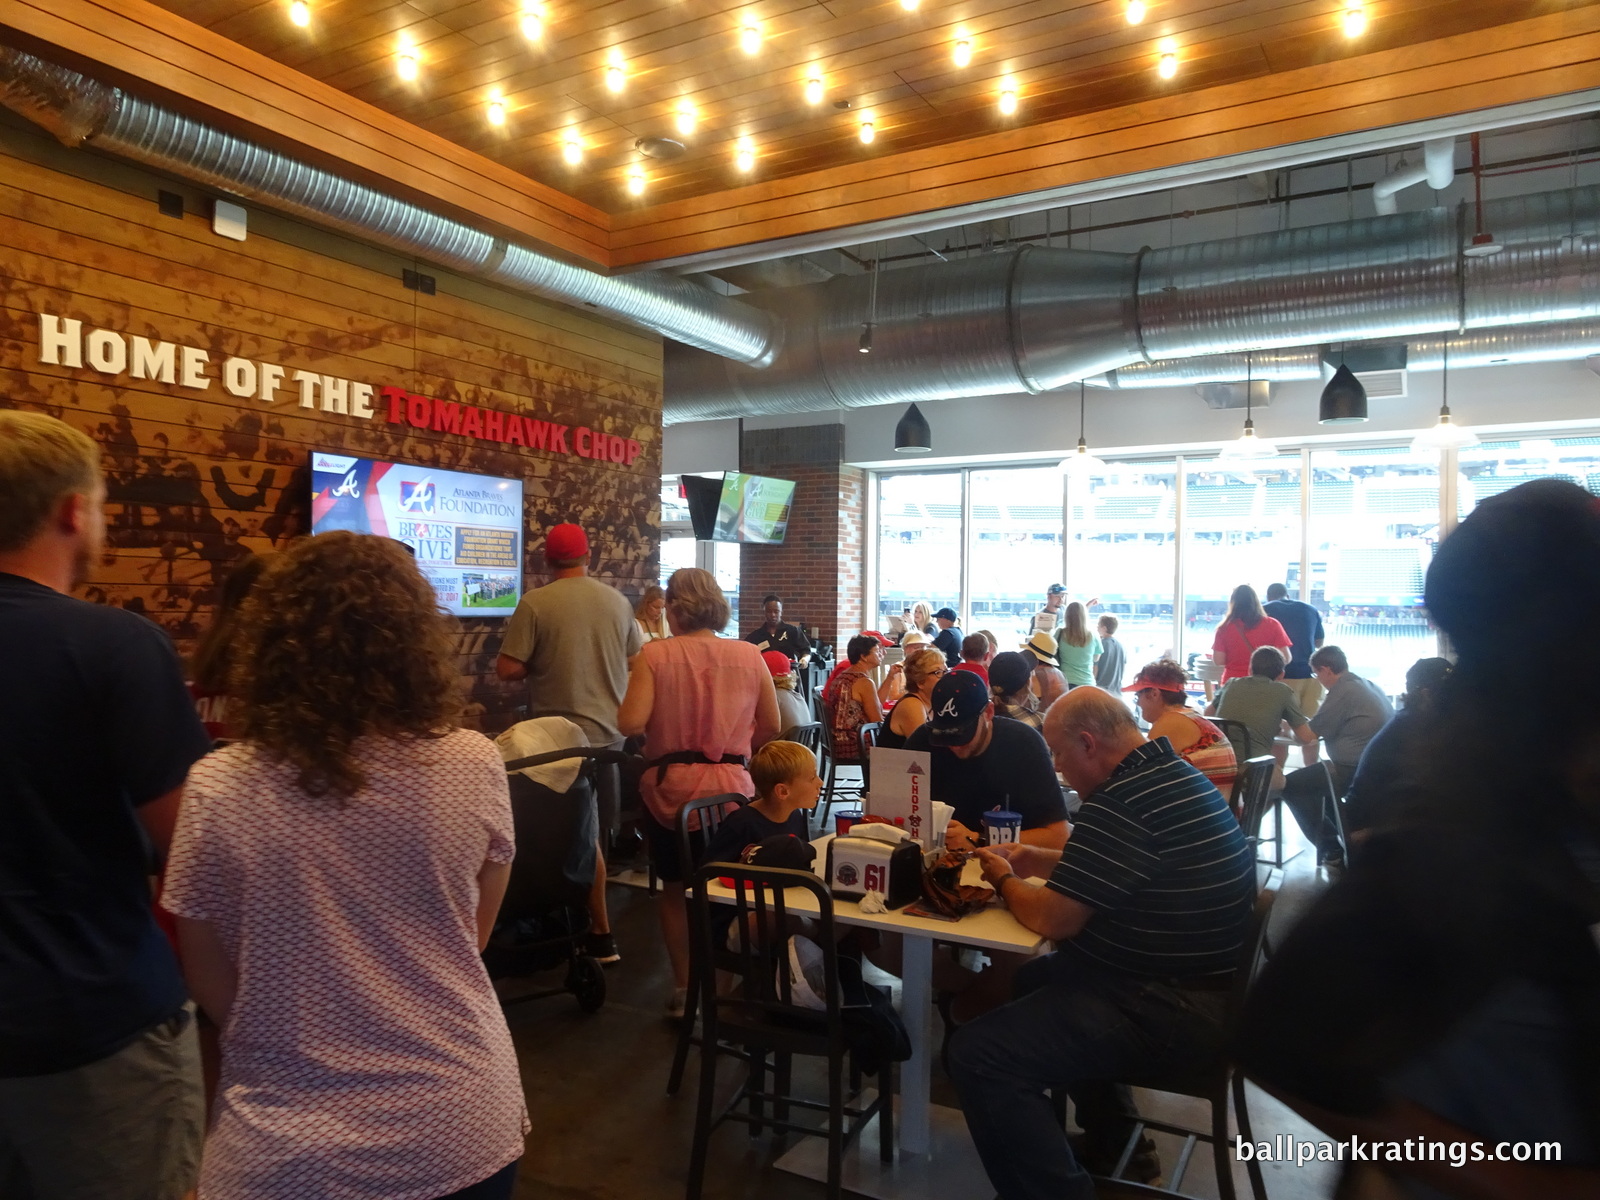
(911, 435)
(1344, 400)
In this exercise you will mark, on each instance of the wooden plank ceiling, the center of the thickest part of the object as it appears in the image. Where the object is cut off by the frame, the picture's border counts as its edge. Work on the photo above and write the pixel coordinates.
(1063, 58)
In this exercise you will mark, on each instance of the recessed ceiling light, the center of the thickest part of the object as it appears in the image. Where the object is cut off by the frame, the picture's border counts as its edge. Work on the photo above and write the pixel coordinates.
(867, 133)
(910, 5)
(744, 154)
(1008, 100)
(684, 122)
(572, 151)
(616, 77)
(1355, 21)
(814, 90)
(636, 182)
(406, 66)
(1135, 12)
(533, 22)
(750, 38)
(962, 52)
(497, 112)
(1168, 65)
(300, 13)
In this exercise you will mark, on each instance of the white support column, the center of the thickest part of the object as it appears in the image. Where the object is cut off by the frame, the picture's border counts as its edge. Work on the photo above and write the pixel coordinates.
(966, 550)
(1179, 487)
(1305, 525)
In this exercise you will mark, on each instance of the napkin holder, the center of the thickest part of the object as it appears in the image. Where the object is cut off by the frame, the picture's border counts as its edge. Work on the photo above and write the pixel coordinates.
(858, 865)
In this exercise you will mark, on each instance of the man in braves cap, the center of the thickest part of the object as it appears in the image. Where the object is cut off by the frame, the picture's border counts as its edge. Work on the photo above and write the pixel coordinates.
(980, 761)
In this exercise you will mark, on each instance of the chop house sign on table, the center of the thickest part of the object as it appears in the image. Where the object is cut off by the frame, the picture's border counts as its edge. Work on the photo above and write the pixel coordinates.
(64, 343)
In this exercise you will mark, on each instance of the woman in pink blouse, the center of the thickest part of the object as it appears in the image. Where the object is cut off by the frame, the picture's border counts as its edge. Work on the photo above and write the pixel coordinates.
(335, 874)
(703, 704)
(1244, 630)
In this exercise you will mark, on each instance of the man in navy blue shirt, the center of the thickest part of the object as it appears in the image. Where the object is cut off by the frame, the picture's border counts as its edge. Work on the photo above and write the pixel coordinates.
(1303, 624)
(1148, 905)
(100, 1092)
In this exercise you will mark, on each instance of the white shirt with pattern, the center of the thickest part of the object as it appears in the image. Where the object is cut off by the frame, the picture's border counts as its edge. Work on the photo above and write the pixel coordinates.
(366, 1055)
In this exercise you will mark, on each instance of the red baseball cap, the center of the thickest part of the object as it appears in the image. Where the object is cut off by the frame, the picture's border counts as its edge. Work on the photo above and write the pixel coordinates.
(566, 542)
(882, 639)
(777, 662)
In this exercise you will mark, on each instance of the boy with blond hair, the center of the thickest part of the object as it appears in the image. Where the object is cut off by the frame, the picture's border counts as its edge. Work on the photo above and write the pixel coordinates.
(787, 787)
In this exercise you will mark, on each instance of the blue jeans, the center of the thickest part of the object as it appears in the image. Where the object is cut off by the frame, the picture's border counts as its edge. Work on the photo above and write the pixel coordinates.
(497, 1187)
(1083, 1027)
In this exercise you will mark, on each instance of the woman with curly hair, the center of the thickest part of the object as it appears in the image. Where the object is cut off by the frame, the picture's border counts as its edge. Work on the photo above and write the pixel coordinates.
(335, 874)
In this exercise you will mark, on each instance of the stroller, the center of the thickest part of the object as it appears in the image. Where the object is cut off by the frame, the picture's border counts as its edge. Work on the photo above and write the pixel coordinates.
(544, 918)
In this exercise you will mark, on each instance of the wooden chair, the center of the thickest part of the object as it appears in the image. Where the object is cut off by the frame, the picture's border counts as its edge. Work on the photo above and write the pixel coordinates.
(760, 1024)
(1213, 1084)
(708, 814)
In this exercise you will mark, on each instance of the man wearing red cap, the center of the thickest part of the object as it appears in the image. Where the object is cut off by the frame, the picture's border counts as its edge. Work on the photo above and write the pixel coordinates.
(571, 640)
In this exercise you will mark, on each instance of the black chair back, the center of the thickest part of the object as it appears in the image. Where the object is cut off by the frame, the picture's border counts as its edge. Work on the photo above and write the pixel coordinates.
(867, 738)
(1238, 735)
(765, 991)
(1332, 805)
(1251, 791)
(702, 817)
(808, 735)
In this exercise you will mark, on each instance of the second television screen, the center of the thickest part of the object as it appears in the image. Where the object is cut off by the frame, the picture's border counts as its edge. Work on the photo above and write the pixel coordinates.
(753, 509)
(466, 529)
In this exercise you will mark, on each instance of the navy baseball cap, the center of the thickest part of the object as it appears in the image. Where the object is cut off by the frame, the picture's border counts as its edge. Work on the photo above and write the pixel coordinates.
(959, 699)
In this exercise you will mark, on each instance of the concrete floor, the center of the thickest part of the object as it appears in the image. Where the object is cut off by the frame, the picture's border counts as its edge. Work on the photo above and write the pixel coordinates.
(604, 1128)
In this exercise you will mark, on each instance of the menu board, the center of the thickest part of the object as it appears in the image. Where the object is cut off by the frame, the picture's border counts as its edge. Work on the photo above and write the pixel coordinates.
(466, 530)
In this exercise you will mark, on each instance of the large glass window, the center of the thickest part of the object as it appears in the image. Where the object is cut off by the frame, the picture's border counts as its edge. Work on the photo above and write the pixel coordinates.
(1015, 549)
(1494, 467)
(1121, 548)
(1241, 524)
(1366, 540)
(919, 542)
(1373, 528)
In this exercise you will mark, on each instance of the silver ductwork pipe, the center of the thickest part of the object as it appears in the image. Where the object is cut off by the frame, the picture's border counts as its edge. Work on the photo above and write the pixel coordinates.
(1036, 319)
(82, 111)
(1558, 341)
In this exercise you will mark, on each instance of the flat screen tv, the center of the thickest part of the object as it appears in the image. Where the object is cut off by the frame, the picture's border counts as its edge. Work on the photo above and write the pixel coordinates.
(753, 508)
(466, 530)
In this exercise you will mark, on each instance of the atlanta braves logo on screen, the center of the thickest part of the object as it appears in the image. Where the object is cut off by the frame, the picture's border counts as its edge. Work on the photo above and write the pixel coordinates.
(417, 497)
(348, 487)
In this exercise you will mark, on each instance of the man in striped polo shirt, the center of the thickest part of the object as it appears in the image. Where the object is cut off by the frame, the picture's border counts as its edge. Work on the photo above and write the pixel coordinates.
(1148, 904)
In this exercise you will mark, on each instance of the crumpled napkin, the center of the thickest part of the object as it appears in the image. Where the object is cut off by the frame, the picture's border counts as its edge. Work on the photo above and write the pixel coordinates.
(872, 902)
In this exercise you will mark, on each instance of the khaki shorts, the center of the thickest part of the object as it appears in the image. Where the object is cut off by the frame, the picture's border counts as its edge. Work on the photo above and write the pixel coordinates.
(1307, 695)
(127, 1127)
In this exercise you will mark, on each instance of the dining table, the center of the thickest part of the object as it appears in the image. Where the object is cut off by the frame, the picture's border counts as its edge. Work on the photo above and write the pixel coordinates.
(935, 1157)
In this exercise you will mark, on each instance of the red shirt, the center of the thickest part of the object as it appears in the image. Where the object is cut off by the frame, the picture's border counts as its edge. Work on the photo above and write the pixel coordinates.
(1234, 644)
(978, 669)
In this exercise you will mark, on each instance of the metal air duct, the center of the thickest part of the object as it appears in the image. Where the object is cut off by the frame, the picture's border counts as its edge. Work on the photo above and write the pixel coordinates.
(82, 111)
(1035, 319)
(1557, 341)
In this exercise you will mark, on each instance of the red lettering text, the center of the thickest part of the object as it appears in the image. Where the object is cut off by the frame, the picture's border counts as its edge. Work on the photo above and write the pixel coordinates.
(446, 416)
(558, 438)
(514, 427)
(494, 424)
(419, 412)
(538, 433)
(583, 441)
(633, 451)
(395, 398)
(472, 422)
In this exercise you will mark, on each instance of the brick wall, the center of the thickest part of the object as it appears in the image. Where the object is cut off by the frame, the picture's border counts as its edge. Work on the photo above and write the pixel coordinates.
(818, 568)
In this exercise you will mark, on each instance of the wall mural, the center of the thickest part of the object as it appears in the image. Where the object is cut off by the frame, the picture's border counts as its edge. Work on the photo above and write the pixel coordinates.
(198, 478)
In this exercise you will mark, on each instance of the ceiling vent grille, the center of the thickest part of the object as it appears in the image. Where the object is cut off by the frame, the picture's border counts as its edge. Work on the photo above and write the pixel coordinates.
(1383, 385)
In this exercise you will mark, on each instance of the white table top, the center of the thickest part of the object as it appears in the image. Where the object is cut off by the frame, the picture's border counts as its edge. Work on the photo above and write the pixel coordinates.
(993, 928)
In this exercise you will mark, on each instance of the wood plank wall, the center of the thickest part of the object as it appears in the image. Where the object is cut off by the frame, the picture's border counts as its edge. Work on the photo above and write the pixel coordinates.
(199, 479)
